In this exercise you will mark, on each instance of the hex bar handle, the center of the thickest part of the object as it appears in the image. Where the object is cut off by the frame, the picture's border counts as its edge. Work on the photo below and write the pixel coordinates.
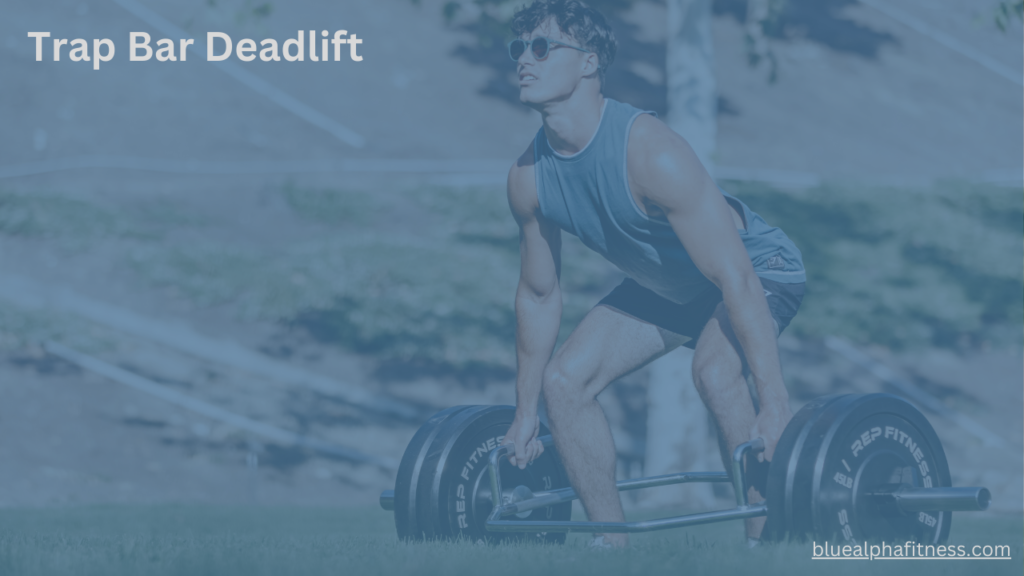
(739, 482)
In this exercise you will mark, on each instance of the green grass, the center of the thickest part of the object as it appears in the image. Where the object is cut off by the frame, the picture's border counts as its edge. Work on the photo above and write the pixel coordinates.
(72, 222)
(226, 541)
(47, 216)
(22, 330)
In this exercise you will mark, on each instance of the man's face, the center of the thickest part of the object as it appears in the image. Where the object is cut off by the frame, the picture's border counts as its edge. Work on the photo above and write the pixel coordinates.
(557, 75)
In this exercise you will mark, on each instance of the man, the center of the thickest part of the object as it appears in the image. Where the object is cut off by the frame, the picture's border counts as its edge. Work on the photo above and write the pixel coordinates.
(704, 271)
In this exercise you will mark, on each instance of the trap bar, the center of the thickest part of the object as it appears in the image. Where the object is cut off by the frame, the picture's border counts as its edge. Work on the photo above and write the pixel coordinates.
(523, 500)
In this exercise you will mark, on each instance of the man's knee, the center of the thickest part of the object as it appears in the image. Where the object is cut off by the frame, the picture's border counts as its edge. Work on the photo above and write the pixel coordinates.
(710, 377)
(705, 374)
(565, 387)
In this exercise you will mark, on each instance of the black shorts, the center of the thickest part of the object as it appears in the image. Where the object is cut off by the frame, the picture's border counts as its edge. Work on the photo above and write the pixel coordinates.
(690, 318)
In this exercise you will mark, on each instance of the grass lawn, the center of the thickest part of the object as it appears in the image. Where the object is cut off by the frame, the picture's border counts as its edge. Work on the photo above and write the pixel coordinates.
(198, 540)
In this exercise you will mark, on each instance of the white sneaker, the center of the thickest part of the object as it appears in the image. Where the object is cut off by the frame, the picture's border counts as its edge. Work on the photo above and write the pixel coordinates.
(598, 543)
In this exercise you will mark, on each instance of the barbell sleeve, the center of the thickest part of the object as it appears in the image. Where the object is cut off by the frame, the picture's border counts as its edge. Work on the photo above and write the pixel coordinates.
(387, 499)
(945, 499)
(940, 499)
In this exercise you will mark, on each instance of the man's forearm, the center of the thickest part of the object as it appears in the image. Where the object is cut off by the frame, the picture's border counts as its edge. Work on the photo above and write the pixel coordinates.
(537, 322)
(752, 322)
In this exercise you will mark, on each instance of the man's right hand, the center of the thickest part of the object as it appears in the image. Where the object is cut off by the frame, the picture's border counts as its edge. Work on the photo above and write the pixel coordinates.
(522, 436)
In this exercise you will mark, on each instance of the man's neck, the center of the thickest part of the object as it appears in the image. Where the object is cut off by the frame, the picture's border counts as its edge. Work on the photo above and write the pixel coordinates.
(571, 123)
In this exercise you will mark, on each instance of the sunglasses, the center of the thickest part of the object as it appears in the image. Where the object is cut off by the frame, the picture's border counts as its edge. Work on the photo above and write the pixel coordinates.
(541, 47)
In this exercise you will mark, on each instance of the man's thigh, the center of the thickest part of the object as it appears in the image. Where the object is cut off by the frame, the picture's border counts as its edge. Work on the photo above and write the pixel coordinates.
(608, 344)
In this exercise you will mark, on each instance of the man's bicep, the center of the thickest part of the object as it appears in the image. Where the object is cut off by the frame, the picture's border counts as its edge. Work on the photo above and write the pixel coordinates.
(539, 240)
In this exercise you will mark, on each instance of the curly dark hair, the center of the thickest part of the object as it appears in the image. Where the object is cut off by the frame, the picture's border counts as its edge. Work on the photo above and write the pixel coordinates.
(574, 18)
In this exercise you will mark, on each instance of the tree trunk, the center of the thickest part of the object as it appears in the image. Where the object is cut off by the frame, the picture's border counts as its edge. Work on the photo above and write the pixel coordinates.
(689, 63)
(677, 432)
(677, 423)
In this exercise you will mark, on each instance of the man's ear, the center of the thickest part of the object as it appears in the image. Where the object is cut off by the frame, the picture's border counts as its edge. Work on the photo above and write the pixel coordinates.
(591, 64)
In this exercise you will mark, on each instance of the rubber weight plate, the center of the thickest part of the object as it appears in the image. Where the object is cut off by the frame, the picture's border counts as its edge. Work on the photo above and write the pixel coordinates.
(836, 450)
(409, 472)
(876, 439)
(459, 499)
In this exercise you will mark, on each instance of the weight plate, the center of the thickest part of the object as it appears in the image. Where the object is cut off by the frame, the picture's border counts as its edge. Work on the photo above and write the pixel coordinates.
(835, 450)
(459, 499)
(876, 439)
(786, 472)
(409, 472)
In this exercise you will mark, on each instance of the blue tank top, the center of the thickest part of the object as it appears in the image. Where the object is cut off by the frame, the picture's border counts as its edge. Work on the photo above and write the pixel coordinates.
(587, 194)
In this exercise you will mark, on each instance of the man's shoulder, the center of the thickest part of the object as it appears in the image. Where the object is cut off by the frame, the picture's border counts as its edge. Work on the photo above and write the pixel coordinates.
(659, 160)
(649, 134)
(654, 147)
(522, 187)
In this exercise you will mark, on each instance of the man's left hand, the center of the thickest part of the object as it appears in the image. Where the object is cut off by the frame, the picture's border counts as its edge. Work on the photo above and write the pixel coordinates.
(768, 425)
